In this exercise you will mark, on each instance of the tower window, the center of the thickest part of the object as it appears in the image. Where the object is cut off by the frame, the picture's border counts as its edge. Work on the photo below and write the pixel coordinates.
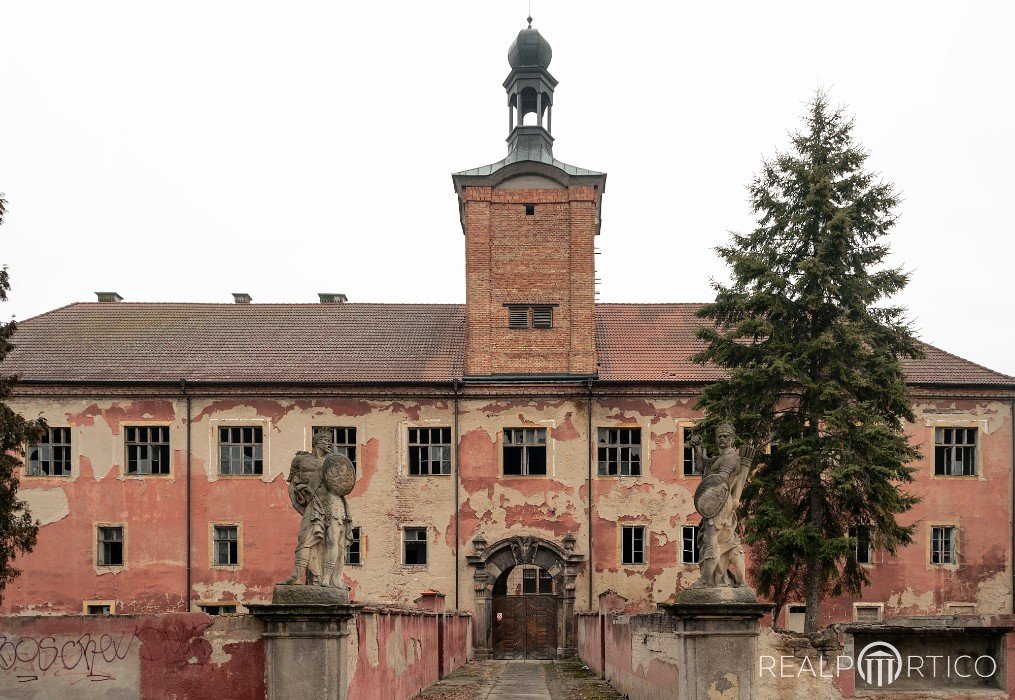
(530, 210)
(524, 316)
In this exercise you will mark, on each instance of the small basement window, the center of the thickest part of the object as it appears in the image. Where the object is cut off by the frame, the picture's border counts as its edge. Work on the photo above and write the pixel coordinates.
(219, 609)
(530, 210)
(100, 610)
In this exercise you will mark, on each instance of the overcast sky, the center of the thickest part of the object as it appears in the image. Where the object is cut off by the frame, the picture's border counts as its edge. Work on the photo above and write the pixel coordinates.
(182, 151)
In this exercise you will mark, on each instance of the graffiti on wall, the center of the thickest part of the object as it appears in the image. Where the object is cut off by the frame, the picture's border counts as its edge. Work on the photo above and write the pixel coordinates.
(98, 657)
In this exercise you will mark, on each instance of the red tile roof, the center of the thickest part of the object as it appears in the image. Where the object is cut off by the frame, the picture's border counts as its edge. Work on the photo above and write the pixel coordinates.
(362, 343)
(164, 342)
(653, 342)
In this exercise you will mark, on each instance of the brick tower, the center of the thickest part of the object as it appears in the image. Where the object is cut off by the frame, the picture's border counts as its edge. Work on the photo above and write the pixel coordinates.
(530, 223)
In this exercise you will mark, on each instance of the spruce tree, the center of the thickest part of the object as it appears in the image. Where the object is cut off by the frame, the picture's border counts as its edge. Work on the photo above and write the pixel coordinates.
(812, 346)
(18, 530)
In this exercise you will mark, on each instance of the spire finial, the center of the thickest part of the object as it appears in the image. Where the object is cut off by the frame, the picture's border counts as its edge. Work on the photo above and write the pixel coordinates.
(529, 20)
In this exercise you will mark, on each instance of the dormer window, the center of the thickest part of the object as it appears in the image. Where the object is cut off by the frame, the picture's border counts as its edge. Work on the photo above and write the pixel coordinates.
(530, 316)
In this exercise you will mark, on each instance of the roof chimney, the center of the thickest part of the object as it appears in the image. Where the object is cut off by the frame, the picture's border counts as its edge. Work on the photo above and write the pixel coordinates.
(242, 298)
(108, 296)
(332, 298)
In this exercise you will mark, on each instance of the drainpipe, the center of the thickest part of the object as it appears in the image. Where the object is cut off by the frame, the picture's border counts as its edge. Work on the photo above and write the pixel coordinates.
(186, 597)
(591, 445)
(455, 389)
(1011, 519)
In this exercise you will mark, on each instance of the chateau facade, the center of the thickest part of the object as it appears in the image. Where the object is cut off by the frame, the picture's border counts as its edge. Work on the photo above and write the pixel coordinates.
(522, 453)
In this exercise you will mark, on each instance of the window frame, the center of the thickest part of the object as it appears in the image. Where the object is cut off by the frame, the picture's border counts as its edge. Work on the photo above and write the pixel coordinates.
(953, 448)
(356, 533)
(98, 549)
(880, 607)
(633, 528)
(619, 447)
(337, 447)
(85, 604)
(524, 460)
(537, 316)
(263, 444)
(411, 445)
(213, 545)
(870, 544)
(127, 443)
(220, 604)
(49, 443)
(955, 543)
(695, 547)
(686, 432)
(425, 541)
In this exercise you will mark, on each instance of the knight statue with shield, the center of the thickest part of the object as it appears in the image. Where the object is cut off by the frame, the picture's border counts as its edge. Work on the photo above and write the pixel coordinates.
(318, 482)
(717, 499)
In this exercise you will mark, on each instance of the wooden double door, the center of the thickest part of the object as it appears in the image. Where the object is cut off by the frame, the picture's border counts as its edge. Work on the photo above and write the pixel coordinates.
(525, 626)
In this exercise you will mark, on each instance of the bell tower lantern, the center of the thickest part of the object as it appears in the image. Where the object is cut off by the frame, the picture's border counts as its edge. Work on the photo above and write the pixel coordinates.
(530, 222)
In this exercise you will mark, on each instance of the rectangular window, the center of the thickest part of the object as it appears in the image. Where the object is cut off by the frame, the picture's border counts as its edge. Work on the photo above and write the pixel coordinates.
(99, 609)
(219, 609)
(537, 581)
(241, 450)
(864, 552)
(343, 440)
(955, 451)
(633, 544)
(226, 545)
(944, 545)
(525, 451)
(353, 552)
(110, 545)
(429, 451)
(620, 451)
(689, 550)
(414, 546)
(691, 466)
(147, 449)
(51, 457)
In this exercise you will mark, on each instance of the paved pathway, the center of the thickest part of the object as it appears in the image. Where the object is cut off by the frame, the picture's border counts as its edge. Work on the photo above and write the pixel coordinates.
(521, 680)
(516, 680)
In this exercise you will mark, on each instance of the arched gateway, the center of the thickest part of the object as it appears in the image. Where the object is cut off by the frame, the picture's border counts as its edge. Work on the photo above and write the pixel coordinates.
(535, 623)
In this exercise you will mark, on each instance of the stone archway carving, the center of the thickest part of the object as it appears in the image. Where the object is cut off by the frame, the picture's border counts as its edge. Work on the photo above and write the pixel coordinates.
(559, 560)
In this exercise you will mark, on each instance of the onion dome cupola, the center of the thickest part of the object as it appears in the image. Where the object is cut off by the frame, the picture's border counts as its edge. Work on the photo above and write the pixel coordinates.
(529, 88)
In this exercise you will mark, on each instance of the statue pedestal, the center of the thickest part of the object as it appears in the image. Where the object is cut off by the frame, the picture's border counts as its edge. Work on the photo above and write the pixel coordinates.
(305, 631)
(718, 635)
